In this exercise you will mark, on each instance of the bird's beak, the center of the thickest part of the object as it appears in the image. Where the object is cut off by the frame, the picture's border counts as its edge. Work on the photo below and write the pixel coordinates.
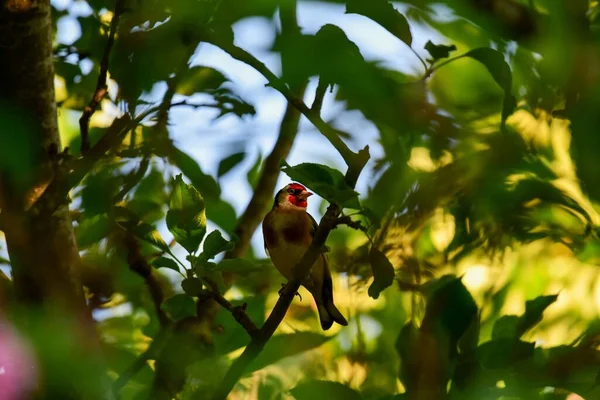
(304, 195)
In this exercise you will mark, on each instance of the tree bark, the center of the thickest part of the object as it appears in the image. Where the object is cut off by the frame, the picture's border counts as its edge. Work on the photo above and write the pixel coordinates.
(41, 246)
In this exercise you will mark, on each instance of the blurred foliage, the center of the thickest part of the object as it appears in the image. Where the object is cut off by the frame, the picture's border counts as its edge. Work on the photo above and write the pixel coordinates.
(475, 276)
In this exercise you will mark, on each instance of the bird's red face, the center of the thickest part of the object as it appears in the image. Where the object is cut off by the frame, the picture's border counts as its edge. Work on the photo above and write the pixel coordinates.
(295, 194)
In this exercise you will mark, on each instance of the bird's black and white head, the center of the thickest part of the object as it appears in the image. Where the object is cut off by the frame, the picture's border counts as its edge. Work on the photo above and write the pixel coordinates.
(292, 197)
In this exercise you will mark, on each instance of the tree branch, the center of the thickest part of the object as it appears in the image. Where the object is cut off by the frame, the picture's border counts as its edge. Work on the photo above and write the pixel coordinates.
(101, 87)
(138, 264)
(300, 271)
(238, 312)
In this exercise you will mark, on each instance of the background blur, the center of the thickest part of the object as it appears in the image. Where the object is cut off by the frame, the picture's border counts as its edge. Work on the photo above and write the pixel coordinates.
(483, 168)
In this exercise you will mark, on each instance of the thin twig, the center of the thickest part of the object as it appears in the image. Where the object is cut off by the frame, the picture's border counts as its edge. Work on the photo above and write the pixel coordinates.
(138, 264)
(346, 220)
(238, 312)
(101, 87)
(317, 104)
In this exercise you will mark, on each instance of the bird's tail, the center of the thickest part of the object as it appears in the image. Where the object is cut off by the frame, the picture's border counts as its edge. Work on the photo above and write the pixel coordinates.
(328, 312)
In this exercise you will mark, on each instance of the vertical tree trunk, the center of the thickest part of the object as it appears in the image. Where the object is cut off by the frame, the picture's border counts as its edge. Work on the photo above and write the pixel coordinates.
(42, 247)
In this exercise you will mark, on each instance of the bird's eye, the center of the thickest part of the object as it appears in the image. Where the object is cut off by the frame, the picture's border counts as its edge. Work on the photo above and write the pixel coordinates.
(290, 191)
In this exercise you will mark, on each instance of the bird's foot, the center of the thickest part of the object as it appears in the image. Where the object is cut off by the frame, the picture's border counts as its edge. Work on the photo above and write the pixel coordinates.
(281, 291)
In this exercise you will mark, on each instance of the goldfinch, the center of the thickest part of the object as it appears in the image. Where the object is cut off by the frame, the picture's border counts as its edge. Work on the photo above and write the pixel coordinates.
(288, 231)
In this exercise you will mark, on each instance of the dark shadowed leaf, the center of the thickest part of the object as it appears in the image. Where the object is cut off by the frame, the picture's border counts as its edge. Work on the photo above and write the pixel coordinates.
(534, 310)
(238, 266)
(438, 51)
(327, 182)
(449, 306)
(186, 218)
(384, 13)
(506, 327)
(164, 262)
(215, 244)
(229, 162)
(192, 286)
(179, 307)
(199, 79)
(286, 345)
(494, 61)
(323, 390)
(383, 272)
(407, 346)
(503, 353)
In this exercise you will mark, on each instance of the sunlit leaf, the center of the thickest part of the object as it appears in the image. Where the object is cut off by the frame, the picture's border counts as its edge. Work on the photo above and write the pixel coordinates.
(179, 306)
(146, 232)
(383, 272)
(186, 218)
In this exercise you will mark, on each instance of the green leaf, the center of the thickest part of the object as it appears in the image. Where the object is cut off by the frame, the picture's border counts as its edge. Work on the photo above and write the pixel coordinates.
(493, 60)
(206, 184)
(253, 173)
(228, 163)
(407, 346)
(221, 213)
(383, 272)
(287, 345)
(534, 310)
(192, 286)
(91, 230)
(504, 353)
(444, 298)
(186, 218)
(179, 307)
(147, 233)
(199, 79)
(323, 390)
(327, 182)
(164, 262)
(215, 244)
(505, 327)
(239, 266)
(384, 13)
(438, 51)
